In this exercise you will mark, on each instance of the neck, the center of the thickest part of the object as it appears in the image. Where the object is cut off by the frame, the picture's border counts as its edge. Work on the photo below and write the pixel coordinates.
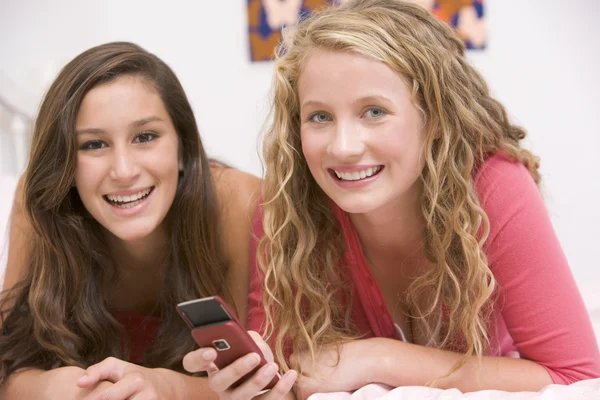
(140, 270)
(396, 229)
(142, 254)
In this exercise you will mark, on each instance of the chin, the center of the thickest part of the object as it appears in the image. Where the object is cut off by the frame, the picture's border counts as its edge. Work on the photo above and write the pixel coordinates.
(355, 206)
(132, 233)
(133, 237)
(129, 237)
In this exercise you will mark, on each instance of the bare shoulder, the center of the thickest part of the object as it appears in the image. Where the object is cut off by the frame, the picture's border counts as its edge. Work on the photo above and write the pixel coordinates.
(236, 190)
(19, 199)
(238, 194)
(19, 239)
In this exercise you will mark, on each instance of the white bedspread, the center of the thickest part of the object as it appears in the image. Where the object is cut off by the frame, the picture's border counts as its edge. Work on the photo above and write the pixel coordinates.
(584, 390)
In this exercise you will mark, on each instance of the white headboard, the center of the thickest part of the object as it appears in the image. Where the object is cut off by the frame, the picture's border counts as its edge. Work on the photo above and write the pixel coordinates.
(15, 137)
(8, 183)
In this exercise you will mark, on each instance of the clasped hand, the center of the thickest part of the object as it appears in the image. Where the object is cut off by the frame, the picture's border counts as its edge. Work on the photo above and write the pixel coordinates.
(129, 381)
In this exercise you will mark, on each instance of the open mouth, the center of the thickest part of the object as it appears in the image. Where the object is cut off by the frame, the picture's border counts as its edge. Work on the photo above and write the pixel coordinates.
(128, 201)
(356, 175)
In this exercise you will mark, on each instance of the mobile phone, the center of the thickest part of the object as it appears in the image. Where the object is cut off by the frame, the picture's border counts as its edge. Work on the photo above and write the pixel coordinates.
(213, 324)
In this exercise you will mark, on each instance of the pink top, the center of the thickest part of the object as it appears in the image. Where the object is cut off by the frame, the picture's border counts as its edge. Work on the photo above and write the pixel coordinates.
(539, 314)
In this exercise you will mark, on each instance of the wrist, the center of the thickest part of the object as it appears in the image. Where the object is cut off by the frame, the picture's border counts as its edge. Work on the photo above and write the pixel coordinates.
(173, 384)
(379, 360)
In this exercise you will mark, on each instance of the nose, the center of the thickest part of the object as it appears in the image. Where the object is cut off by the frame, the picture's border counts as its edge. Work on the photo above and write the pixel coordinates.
(125, 167)
(347, 141)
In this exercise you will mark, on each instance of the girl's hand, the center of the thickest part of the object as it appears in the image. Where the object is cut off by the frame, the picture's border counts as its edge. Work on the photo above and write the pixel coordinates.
(58, 383)
(129, 381)
(357, 367)
(221, 380)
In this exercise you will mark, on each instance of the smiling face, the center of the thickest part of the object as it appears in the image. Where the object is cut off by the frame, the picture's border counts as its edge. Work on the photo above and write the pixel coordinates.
(362, 136)
(127, 158)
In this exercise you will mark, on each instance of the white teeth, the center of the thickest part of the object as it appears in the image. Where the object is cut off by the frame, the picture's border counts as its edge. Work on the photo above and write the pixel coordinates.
(357, 175)
(129, 201)
(132, 204)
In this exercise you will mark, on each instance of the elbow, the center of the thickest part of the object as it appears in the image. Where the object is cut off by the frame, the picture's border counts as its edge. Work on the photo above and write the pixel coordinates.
(572, 374)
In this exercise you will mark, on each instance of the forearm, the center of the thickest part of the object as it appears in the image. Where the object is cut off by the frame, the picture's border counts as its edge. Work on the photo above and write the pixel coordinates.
(186, 387)
(405, 364)
(18, 386)
(40, 384)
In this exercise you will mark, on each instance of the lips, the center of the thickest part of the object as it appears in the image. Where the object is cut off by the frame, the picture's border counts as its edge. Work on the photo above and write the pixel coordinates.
(128, 201)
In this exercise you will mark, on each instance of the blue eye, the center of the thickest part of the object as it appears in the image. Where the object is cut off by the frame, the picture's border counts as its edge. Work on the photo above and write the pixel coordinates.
(145, 137)
(375, 113)
(93, 145)
(319, 117)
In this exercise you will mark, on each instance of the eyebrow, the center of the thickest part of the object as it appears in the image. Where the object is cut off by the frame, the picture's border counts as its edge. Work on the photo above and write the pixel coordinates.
(133, 124)
(365, 99)
(374, 98)
(144, 121)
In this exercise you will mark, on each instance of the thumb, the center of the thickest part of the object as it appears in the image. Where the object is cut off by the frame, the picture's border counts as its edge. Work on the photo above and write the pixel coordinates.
(200, 360)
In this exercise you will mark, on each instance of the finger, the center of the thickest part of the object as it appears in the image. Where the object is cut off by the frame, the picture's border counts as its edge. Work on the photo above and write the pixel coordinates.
(111, 369)
(256, 383)
(262, 345)
(212, 368)
(199, 360)
(256, 336)
(126, 388)
(283, 387)
(222, 379)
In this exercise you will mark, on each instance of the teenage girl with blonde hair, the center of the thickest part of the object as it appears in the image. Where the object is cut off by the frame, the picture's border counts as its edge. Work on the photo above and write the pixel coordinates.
(404, 239)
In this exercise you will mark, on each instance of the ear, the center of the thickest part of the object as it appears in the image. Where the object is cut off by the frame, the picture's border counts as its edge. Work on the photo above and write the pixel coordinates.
(180, 164)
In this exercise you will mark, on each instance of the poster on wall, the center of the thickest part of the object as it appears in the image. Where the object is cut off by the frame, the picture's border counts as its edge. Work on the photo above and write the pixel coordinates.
(266, 18)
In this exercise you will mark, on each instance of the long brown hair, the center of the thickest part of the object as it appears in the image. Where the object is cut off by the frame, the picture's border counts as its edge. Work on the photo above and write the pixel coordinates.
(60, 316)
(302, 248)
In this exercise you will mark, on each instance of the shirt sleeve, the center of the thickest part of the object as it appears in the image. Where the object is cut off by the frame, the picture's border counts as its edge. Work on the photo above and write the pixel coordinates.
(256, 313)
(538, 297)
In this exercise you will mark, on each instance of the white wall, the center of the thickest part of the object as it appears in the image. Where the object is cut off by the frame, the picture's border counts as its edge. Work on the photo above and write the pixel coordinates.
(542, 61)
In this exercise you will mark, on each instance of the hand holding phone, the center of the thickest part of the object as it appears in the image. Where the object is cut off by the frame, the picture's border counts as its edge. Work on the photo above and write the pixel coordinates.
(214, 325)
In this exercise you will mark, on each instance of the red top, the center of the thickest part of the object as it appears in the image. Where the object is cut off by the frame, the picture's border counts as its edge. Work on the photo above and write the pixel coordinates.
(539, 314)
(141, 330)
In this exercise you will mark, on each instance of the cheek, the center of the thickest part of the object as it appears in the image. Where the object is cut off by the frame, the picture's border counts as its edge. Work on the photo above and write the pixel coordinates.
(165, 161)
(88, 174)
(311, 148)
(162, 163)
(404, 144)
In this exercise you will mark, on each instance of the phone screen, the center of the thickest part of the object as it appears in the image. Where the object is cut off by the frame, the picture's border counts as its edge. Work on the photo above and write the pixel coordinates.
(202, 312)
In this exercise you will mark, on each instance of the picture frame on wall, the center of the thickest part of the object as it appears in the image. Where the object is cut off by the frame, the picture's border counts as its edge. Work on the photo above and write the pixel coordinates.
(266, 18)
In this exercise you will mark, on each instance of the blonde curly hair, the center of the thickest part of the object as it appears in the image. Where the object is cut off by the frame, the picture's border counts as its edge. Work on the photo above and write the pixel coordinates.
(300, 254)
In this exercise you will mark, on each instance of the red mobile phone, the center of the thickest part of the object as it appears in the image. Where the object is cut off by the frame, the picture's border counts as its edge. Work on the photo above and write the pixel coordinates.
(213, 324)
